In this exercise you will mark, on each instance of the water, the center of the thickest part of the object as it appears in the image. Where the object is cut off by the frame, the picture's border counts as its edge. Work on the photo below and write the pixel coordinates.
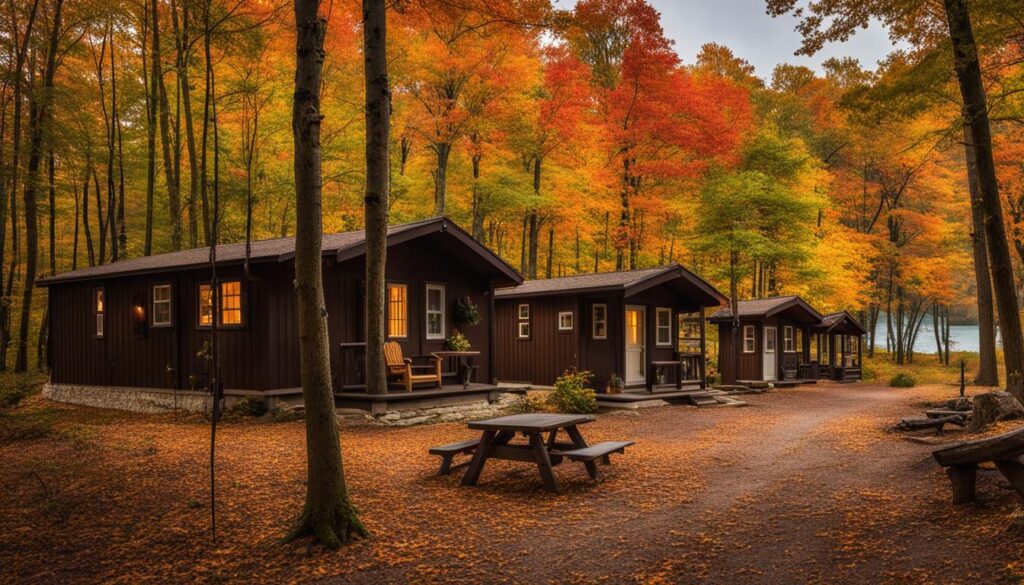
(961, 337)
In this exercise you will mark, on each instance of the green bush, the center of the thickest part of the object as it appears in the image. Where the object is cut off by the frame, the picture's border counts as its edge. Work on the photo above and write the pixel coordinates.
(571, 394)
(249, 406)
(533, 402)
(457, 342)
(902, 381)
(868, 374)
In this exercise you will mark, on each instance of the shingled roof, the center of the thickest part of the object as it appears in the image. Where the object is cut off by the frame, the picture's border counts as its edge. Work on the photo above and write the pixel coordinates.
(842, 320)
(766, 308)
(344, 245)
(627, 281)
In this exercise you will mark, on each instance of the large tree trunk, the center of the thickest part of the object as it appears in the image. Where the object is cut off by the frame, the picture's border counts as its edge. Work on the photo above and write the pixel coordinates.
(149, 83)
(443, 150)
(182, 42)
(327, 515)
(378, 129)
(975, 113)
(988, 374)
(37, 130)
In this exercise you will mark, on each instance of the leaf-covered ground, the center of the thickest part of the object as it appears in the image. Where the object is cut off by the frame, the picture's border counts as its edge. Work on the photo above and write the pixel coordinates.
(804, 485)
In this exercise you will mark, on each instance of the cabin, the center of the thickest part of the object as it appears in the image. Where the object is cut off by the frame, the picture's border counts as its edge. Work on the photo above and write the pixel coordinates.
(643, 326)
(839, 347)
(774, 339)
(136, 334)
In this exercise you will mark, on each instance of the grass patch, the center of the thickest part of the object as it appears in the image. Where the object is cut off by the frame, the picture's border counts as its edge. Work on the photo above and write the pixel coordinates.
(17, 387)
(925, 368)
(26, 426)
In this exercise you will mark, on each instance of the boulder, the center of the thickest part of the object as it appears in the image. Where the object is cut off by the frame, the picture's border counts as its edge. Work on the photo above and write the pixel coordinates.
(961, 403)
(993, 407)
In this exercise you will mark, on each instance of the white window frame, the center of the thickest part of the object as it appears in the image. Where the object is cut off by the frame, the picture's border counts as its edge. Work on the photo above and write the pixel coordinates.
(775, 341)
(427, 312)
(603, 320)
(659, 328)
(788, 339)
(169, 301)
(749, 334)
(523, 310)
(523, 330)
(572, 321)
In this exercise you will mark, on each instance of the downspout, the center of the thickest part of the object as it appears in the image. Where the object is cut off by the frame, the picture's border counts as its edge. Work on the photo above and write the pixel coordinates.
(491, 333)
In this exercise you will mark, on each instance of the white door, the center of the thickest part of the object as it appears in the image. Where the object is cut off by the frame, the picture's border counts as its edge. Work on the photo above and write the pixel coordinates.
(636, 336)
(770, 342)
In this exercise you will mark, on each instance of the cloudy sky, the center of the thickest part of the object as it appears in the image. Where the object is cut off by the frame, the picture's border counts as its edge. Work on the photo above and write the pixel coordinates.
(745, 27)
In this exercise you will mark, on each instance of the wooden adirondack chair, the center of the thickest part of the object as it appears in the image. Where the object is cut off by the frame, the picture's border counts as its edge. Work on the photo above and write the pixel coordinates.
(402, 367)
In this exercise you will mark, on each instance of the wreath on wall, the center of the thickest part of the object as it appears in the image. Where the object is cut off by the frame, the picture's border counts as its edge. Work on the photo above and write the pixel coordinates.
(466, 312)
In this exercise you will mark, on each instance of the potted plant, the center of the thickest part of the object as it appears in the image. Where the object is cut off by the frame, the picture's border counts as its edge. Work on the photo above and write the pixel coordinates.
(466, 313)
(615, 385)
(457, 342)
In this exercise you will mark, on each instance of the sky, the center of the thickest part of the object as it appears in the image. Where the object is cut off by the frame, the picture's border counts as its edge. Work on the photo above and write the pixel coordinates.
(745, 27)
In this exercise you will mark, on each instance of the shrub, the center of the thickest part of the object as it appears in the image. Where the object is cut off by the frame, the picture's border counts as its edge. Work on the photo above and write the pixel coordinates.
(571, 394)
(902, 381)
(868, 374)
(250, 406)
(457, 342)
(466, 312)
(533, 402)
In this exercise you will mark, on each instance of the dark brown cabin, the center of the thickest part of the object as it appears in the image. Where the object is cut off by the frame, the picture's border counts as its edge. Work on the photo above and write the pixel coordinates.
(635, 324)
(839, 340)
(774, 339)
(143, 323)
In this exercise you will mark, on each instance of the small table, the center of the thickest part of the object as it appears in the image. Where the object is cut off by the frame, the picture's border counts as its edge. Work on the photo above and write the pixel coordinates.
(465, 368)
(498, 432)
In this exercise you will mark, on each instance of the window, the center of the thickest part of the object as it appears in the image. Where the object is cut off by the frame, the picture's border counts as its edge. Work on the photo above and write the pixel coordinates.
(524, 311)
(161, 305)
(788, 341)
(435, 311)
(565, 321)
(524, 330)
(600, 325)
(689, 333)
(99, 310)
(230, 304)
(748, 339)
(663, 326)
(769, 340)
(398, 303)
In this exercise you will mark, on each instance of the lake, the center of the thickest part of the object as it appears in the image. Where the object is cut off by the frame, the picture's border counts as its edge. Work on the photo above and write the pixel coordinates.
(961, 337)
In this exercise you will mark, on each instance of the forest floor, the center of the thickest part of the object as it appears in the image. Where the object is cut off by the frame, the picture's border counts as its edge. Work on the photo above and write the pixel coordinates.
(803, 485)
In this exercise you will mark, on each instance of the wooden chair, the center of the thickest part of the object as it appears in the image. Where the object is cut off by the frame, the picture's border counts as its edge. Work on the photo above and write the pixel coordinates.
(402, 367)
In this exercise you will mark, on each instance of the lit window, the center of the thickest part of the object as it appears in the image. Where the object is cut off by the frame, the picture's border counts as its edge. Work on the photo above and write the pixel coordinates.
(100, 310)
(435, 311)
(600, 313)
(230, 304)
(663, 330)
(161, 305)
(748, 339)
(565, 321)
(398, 325)
(788, 341)
(524, 311)
(524, 330)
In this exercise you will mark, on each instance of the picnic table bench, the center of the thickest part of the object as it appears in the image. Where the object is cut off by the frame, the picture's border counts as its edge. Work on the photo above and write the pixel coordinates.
(543, 447)
(961, 461)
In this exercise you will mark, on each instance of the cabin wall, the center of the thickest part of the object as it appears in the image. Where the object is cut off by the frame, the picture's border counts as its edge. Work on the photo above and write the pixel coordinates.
(548, 352)
(750, 364)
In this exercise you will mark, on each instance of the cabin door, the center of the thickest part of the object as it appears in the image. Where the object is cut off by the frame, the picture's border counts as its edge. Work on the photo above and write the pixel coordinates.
(636, 345)
(770, 343)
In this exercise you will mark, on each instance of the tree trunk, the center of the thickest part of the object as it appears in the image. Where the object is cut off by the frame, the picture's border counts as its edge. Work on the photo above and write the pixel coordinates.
(378, 130)
(735, 311)
(182, 42)
(89, 249)
(160, 95)
(38, 118)
(523, 266)
(149, 84)
(534, 244)
(551, 251)
(442, 150)
(327, 515)
(988, 373)
(975, 113)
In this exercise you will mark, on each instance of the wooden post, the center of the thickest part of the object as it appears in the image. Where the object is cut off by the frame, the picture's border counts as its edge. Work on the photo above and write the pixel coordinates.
(962, 366)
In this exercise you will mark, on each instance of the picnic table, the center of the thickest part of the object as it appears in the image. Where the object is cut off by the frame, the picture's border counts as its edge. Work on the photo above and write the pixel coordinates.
(546, 452)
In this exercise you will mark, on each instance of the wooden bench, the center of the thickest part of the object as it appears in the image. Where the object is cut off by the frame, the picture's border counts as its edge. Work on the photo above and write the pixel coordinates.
(599, 451)
(449, 451)
(961, 461)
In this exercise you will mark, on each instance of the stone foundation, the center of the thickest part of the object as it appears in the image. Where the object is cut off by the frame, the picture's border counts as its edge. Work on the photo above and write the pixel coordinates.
(147, 400)
(454, 413)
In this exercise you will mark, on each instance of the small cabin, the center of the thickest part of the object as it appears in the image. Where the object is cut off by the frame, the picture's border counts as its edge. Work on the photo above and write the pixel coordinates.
(643, 326)
(839, 345)
(135, 334)
(772, 343)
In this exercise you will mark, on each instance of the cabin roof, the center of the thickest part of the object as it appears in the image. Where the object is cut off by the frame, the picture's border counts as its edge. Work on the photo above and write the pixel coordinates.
(628, 281)
(842, 322)
(763, 308)
(343, 245)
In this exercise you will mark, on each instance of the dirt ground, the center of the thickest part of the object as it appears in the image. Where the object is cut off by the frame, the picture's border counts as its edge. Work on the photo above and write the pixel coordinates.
(803, 485)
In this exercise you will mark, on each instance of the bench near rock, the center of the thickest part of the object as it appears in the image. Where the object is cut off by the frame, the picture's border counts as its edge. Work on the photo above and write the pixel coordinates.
(961, 461)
